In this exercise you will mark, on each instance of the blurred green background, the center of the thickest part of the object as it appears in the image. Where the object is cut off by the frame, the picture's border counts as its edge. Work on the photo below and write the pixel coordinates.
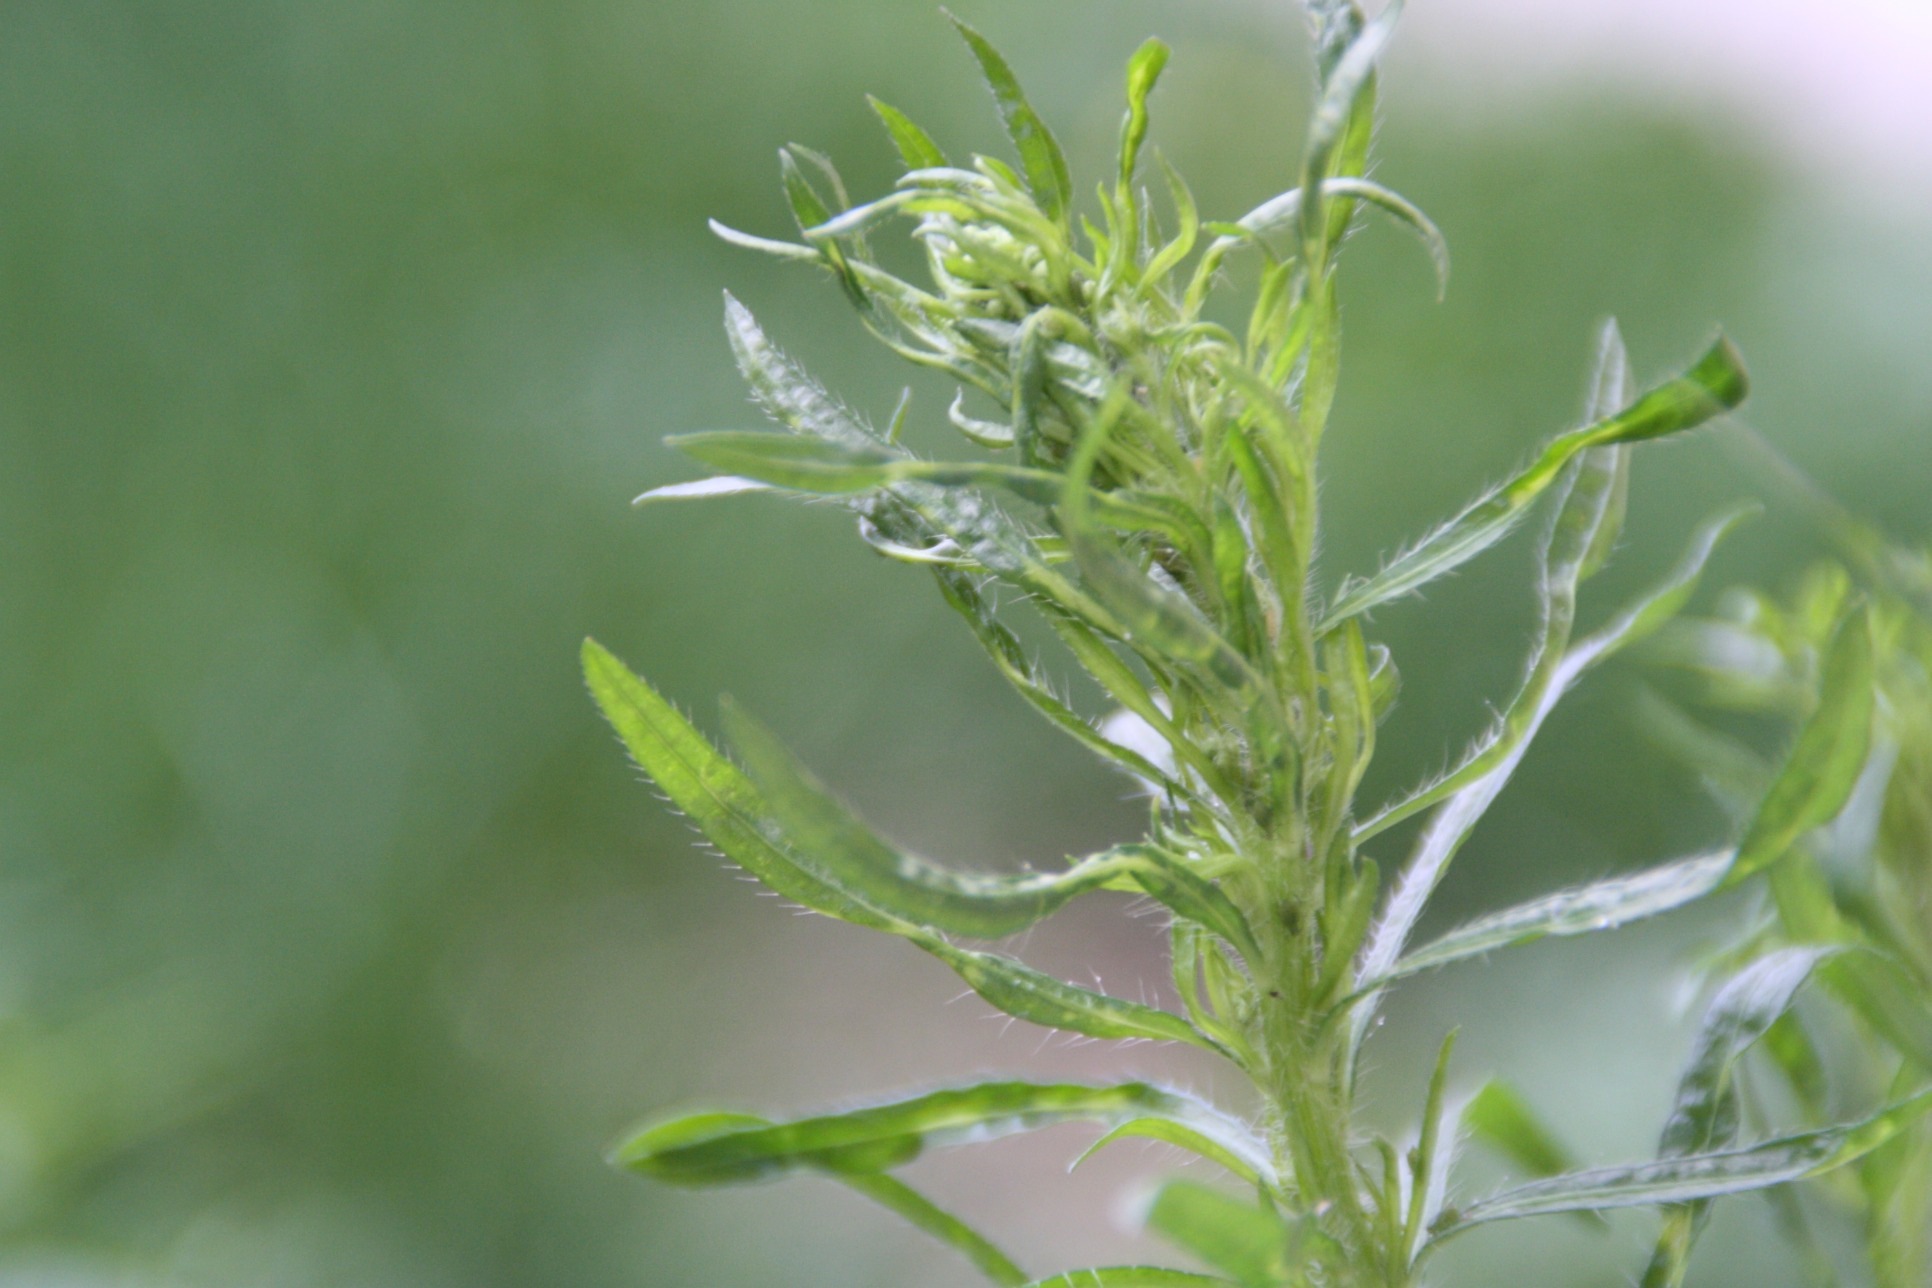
(336, 937)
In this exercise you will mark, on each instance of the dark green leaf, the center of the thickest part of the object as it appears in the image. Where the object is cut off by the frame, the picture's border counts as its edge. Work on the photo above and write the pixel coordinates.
(729, 1149)
(915, 145)
(1040, 156)
(825, 837)
(1026, 994)
(1434, 1150)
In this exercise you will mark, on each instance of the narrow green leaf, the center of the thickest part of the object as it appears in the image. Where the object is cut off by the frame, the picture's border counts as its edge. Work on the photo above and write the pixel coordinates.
(1581, 910)
(1027, 994)
(827, 839)
(1715, 385)
(1696, 1177)
(1159, 621)
(1584, 503)
(915, 146)
(1705, 1113)
(710, 790)
(808, 207)
(1434, 1150)
(729, 1149)
(1143, 70)
(789, 461)
(1004, 647)
(919, 1211)
(765, 245)
(1611, 390)
(1336, 24)
(1347, 95)
(1235, 1235)
(1040, 156)
(1500, 1118)
(1203, 1130)
(1405, 212)
(1128, 1277)
(1634, 623)
(782, 388)
(1886, 995)
(839, 848)
(1741, 1012)
(1818, 777)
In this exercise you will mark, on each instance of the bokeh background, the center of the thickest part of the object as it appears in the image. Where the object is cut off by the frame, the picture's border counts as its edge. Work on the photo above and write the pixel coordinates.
(336, 937)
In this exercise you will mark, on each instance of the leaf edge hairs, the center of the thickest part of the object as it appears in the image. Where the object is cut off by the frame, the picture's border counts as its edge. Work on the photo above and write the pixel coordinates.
(1152, 498)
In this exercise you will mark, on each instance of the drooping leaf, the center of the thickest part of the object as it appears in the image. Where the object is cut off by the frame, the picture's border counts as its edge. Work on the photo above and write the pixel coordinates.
(1405, 212)
(836, 846)
(1581, 910)
(915, 146)
(1818, 776)
(922, 1213)
(1714, 385)
(1027, 994)
(764, 245)
(1202, 1130)
(1500, 1118)
(1696, 1177)
(729, 1149)
(1238, 1236)
(1040, 156)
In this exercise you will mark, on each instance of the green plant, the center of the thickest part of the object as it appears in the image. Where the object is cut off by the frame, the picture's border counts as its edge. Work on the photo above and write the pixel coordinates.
(1151, 495)
(1841, 822)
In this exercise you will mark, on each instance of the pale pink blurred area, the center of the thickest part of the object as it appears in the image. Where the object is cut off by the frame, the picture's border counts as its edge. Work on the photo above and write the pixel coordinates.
(1842, 88)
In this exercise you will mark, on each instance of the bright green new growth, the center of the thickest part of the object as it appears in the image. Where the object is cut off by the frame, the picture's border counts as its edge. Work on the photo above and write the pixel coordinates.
(1154, 500)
